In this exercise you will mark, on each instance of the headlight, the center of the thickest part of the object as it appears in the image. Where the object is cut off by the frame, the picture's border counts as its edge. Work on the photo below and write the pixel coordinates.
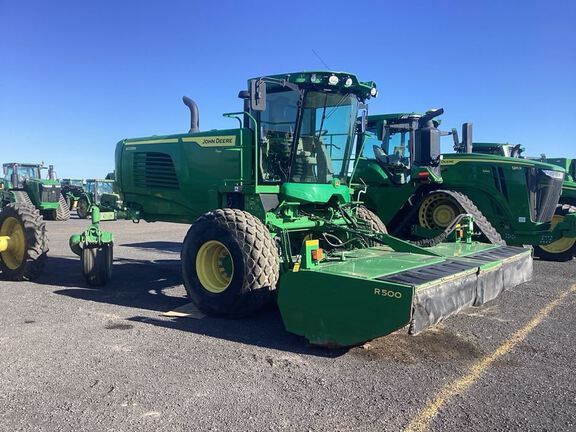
(553, 174)
(333, 80)
(373, 92)
(348, 82)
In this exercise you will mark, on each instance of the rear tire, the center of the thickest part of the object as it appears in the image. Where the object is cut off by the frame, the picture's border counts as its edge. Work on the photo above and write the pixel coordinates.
(97, 264)
(26, 259)
(63, 210)
(230, 263)
(562, 249)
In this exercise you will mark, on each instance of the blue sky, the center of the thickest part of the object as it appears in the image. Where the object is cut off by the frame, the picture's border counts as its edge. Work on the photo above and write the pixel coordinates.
(76, 77)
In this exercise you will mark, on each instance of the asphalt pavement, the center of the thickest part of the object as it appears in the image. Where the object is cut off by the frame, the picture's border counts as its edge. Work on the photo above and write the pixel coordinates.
(75, 358)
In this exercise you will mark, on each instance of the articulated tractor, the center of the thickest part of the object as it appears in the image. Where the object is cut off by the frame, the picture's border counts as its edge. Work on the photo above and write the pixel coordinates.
(273, 218)
(418, 192)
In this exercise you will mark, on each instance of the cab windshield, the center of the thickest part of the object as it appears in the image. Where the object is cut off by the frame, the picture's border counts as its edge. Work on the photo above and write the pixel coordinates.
(24, 172)
(321, 151)
(392, 148)
(104, 187)
(99, 187)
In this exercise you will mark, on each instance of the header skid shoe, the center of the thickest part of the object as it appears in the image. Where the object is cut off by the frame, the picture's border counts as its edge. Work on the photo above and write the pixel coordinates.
(372, 292)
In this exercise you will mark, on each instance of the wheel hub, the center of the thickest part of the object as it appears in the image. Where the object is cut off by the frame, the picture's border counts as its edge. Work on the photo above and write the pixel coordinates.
(14, 243)
(437, 211)
(214, 266)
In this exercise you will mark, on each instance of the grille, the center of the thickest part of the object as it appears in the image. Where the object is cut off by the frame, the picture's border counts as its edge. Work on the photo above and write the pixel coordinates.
(154, 170)
(49, 194)
(544, 194)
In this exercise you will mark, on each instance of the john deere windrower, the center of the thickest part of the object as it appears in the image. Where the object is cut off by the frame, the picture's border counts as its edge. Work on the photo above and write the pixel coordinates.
(272, 217)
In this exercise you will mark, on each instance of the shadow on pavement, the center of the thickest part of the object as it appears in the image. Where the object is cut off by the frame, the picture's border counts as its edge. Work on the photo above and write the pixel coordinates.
(164, 246)
(135, 283)
(142, 284)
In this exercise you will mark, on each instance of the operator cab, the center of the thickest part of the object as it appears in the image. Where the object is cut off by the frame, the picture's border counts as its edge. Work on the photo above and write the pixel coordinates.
(400, 142)
(307, 126)
(17, 174)
(99, 187)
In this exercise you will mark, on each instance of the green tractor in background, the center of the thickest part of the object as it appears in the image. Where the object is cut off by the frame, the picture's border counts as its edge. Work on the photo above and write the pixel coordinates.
(97, 192)
(23, 183)
(72, 190)
(273, 217)
(418, 192)
(565, 247)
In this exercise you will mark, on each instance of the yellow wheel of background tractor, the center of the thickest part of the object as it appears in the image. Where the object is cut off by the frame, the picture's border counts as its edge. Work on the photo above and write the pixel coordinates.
(438, 210)
(562, 249)
(23, 243)
(12, 230)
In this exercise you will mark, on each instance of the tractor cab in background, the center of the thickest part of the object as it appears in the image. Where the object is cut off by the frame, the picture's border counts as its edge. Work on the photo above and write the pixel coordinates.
(405, 145)
(18, 174)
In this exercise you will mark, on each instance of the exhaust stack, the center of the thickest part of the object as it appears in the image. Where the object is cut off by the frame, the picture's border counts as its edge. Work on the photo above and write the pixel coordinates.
(194, 114)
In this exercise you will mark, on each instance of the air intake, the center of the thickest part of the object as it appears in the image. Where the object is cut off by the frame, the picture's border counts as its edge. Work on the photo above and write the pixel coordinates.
(154, 170)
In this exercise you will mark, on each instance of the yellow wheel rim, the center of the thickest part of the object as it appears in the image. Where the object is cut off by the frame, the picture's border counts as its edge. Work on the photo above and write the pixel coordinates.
(560, 245)
(13, 256)
(214, 266)
(437, 211)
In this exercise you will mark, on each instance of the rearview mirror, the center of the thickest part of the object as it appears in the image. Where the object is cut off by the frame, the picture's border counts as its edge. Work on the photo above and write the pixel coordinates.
(467, 137)
(257, 95)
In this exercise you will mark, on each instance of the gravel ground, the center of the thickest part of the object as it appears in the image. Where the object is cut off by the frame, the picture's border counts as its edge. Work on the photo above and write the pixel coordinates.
(73, 358)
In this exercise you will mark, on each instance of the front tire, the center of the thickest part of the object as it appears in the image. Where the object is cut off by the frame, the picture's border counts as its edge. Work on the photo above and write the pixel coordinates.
(372, 219)
(83, 208)
(97, 264)
(25, 257)
(230, 263)
(562, 249)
